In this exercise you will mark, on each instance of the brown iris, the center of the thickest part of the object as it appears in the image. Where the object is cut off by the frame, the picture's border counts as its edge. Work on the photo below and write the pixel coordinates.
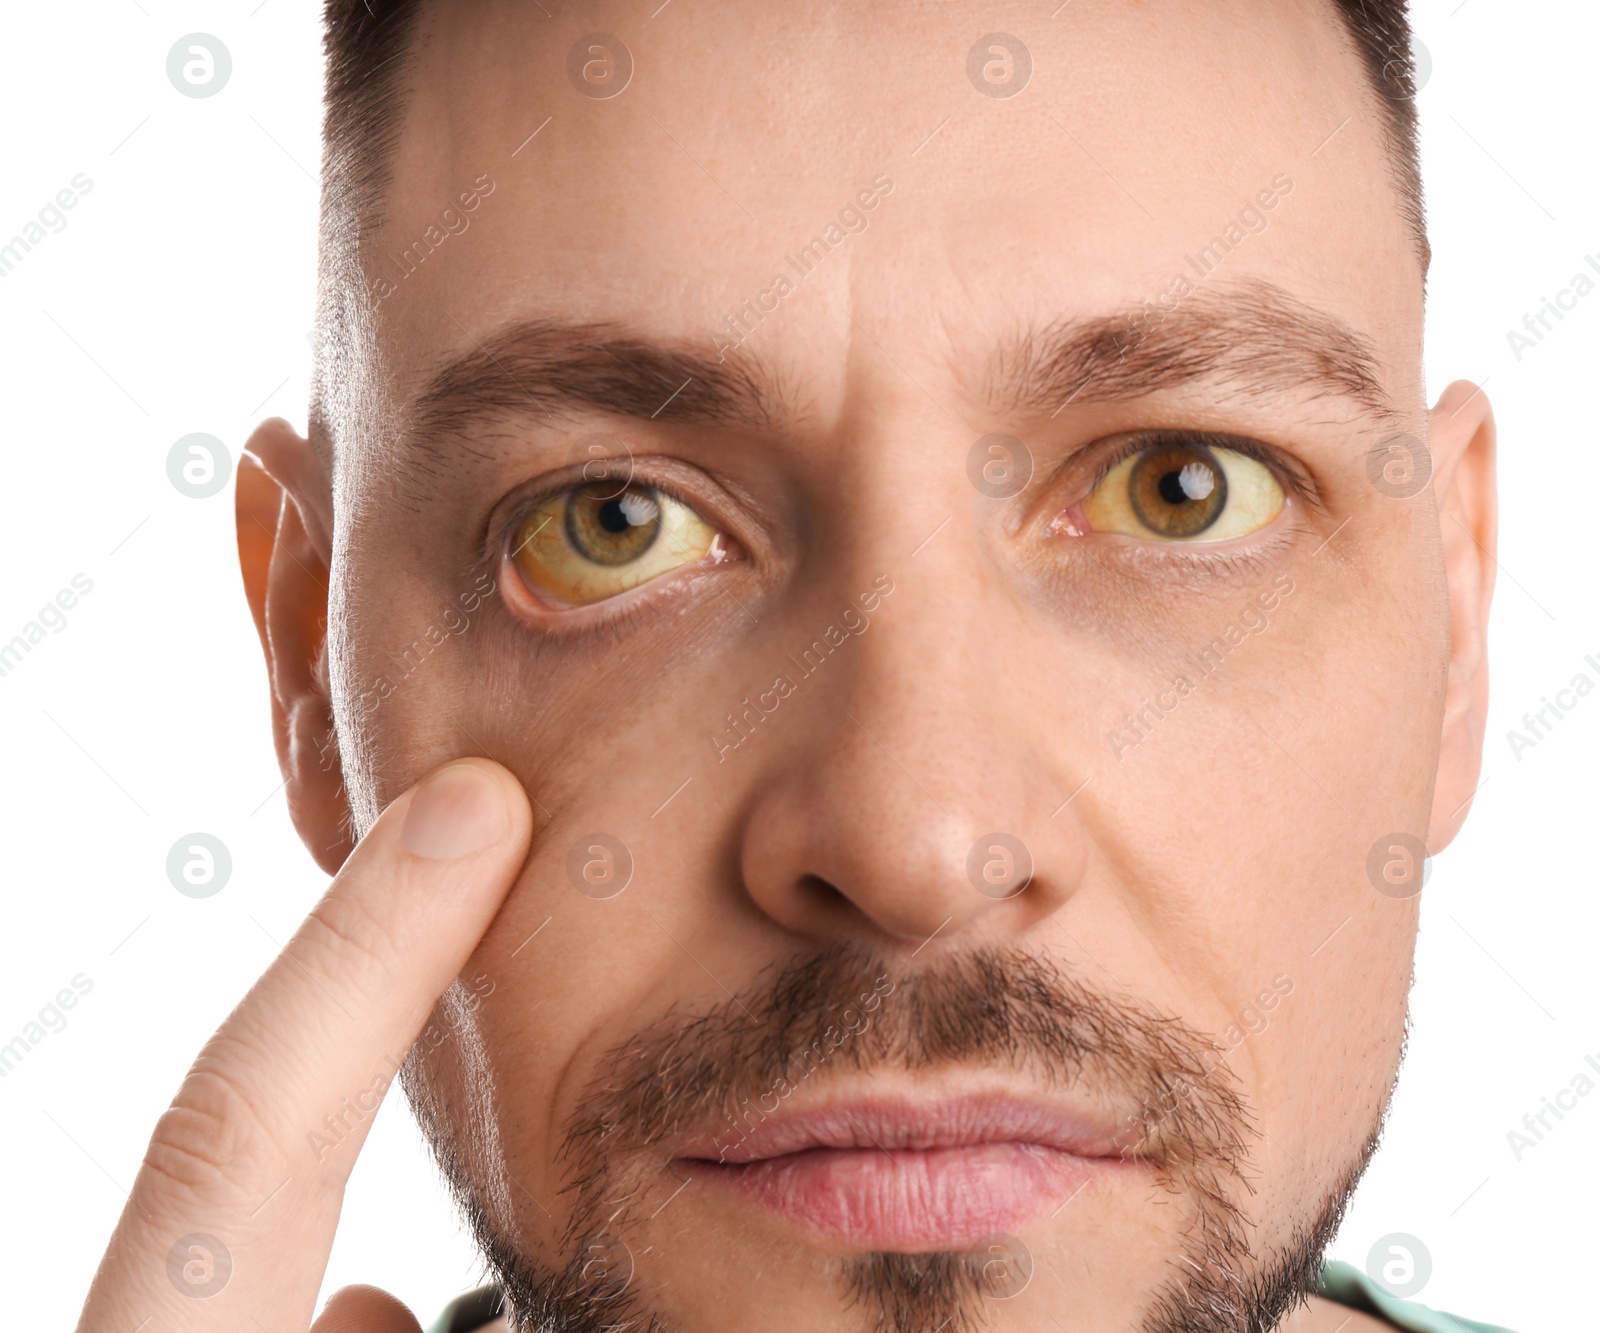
(1177, 490)
(611, 526)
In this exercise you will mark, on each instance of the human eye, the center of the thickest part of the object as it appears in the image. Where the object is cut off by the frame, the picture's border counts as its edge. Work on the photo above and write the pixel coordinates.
(1178, 488)
(599, 539)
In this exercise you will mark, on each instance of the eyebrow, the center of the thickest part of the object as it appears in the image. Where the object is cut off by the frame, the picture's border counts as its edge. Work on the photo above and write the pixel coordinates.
(1252, 337)
(549, 368)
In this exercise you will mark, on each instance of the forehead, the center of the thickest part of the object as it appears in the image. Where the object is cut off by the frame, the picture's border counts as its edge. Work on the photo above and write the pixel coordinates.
(1144, 132)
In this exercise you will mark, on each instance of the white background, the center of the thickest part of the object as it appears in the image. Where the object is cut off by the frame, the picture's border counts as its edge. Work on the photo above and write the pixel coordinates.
(179, 298)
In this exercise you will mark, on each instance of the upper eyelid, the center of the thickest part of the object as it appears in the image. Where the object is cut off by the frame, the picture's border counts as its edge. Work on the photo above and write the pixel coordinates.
(554, 485)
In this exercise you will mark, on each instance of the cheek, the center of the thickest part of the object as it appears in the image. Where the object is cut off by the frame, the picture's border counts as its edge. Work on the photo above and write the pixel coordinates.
(616, 920)
(1328, 1059)
(587, 946)
(1237, 833)
(1253, 790)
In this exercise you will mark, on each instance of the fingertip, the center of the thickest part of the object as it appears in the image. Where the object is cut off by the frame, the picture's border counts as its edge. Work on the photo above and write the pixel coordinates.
(465, 807)
(365, 1309)
(518, 807)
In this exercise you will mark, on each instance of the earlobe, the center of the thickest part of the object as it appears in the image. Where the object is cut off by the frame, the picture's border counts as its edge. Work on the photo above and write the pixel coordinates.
(1461, 438)
(282, 507)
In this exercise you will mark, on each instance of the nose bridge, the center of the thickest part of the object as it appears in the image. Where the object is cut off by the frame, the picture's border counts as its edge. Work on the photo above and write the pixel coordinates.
(910, 527)
(923, 679)
(905, 794)
(910, 784)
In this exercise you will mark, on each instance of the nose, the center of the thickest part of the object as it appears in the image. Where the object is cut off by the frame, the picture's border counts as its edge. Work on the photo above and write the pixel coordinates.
(914, 799)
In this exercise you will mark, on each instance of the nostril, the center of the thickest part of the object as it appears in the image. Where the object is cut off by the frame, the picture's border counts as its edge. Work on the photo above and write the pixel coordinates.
(820, 892)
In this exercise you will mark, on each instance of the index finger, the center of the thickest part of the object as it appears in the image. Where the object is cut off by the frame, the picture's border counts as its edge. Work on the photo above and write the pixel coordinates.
(231, 1166)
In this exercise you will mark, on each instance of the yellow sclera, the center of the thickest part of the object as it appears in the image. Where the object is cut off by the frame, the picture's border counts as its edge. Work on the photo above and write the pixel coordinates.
(1188, 493)
(601, 539)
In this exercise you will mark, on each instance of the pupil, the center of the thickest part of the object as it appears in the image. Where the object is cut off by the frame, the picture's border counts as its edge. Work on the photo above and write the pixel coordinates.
(613, 519)
(1171, 488)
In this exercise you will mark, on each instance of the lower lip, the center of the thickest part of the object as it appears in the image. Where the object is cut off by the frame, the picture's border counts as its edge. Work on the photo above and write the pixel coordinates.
(928, 1199)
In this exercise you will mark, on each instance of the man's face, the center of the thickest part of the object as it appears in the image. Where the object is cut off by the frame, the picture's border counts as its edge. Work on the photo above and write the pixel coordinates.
(950, 896)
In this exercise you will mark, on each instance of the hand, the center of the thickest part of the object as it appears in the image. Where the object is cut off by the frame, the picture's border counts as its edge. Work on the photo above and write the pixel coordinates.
(232, 1214)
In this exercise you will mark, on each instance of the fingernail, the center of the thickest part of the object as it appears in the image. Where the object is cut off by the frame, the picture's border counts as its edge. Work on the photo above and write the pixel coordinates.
(457, 811)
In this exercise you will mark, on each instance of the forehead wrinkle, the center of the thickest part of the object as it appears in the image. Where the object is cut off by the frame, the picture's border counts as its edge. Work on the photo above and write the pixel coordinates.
(1254, 337)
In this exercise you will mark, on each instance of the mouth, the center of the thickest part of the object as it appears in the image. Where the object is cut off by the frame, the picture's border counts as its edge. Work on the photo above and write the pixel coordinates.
(904, 1175)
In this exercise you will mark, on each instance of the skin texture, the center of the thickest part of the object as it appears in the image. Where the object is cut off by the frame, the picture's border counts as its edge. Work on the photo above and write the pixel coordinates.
(1185, 874)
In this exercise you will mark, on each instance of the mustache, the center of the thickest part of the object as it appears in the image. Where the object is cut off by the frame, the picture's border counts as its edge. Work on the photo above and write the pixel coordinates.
(989, 1006)
(843, 1007)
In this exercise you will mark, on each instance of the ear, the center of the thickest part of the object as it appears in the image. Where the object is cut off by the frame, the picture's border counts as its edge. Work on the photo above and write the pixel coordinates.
(1461, 441)
(284, 509)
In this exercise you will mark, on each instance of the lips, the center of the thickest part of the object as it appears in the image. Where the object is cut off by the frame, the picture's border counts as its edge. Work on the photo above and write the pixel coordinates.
(905, 1175)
